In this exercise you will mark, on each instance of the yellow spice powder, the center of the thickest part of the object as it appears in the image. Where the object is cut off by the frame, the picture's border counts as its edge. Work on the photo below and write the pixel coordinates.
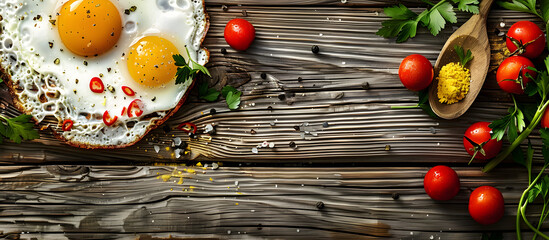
(453, 83)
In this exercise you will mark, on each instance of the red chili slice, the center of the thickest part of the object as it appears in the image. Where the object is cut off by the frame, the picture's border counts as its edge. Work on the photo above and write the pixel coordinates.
(67, 125)
(187, 127)
(128, 91)
(135, 108)
(96, 85)
(108, 120)
(123, 111)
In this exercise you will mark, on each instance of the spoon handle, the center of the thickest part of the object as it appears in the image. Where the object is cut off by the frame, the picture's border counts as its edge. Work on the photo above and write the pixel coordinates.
(485, 8)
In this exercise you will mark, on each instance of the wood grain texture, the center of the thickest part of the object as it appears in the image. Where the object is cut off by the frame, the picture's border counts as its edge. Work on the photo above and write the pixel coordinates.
(128, 202)
(111, 195)
(361, 124)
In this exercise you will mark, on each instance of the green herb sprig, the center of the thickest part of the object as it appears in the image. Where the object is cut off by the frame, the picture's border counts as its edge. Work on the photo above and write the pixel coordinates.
(17, 129)
(514, 125)
(537, 188)
(404, 23)
(231, 94)
(464, 57)
(185, 71)
(423, 103)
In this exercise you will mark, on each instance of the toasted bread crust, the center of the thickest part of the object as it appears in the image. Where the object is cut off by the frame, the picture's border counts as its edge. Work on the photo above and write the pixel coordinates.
(19, 104)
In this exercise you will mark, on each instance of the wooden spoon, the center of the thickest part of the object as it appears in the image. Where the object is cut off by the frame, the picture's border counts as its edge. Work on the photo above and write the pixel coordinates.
(471, 35)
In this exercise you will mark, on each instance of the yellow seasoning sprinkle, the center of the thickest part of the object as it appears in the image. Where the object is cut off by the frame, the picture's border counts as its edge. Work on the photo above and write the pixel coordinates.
(211, 179)
(236, 204)
(453, 83)
(166, 177)
(199, 164)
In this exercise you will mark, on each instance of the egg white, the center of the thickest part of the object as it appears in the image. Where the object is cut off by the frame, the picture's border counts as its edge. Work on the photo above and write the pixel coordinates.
(52, 81)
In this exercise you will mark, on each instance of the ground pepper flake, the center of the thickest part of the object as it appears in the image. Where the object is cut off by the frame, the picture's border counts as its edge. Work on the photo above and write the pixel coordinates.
(453, 83)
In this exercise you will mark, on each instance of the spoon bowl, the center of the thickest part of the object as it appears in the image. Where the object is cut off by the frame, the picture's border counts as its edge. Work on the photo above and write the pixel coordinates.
(472, 36)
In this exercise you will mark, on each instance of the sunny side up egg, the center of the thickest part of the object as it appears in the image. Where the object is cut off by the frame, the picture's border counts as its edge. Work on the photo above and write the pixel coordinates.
(102, 68)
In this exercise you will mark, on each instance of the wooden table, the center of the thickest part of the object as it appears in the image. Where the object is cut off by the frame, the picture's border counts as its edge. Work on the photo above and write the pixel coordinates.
(356, 171)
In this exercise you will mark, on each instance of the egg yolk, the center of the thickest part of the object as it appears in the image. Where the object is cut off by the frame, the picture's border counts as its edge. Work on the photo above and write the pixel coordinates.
(150, 61)
(89, 27)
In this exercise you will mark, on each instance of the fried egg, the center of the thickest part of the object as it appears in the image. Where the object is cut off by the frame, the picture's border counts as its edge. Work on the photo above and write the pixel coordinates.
(103, 68)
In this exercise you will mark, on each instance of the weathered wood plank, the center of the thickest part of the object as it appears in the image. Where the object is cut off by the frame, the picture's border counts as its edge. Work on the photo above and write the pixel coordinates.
(311, 2)
(112, 201)
(360, 123)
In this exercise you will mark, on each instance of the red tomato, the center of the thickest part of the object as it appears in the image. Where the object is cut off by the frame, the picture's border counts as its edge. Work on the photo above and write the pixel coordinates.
(441, 183)
(508, 74)
(416, 72)
(527, 38)
(479, 133)
(545, 119)
(239, 34)
(486, 205)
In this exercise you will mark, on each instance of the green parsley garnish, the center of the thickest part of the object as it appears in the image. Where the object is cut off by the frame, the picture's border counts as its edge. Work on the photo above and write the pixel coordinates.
(208, 94)
(404, 23)
(17, 129)
(464, 58)
(232, 95)
(185, 71)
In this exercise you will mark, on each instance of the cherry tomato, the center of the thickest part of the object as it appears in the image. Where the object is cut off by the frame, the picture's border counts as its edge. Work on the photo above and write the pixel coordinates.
(96, 85)
(545, 119)
(239, 34)
(508, 76)
(416, 72)
(480, 134)
(128, 91)
(108, 120)
(527, 38)
(486, 205)
(441, 183)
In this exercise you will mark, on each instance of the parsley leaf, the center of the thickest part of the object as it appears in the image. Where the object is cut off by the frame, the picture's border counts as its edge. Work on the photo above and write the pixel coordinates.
(527, 6)
(225, 91)
(185, 71)
(208, 94)
(439, 15)
(233, 99)
(404, 23)
(18, 128)
(232, 95)
(470, 6)
(464, 58)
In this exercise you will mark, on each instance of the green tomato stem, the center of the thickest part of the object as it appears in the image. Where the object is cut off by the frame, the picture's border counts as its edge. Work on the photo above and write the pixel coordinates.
(535, 121)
